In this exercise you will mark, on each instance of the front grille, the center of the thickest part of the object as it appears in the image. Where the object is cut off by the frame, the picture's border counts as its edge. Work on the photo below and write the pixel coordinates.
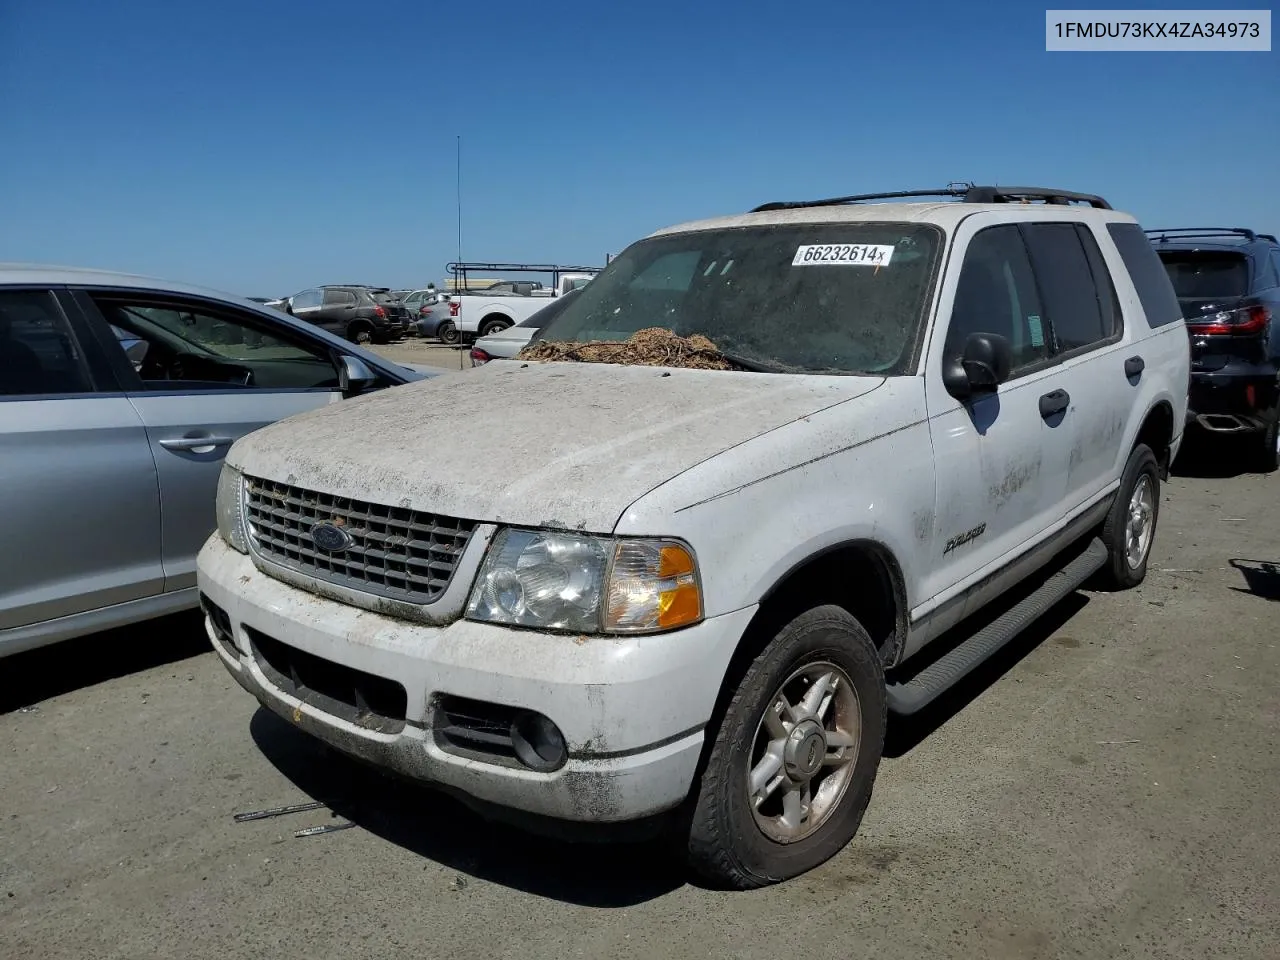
(369, 701)
(396, 553)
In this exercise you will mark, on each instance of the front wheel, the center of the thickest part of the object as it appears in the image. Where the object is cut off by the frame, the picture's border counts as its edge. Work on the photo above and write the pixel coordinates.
(448, 333)
(1130, 527)
(790, 771)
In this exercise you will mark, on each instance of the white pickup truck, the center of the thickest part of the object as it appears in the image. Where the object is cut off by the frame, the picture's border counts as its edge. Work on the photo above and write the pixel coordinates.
(488, 311)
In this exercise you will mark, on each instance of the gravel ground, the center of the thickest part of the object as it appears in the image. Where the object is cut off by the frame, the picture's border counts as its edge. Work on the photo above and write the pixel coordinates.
(1106, 789)
(430, 352)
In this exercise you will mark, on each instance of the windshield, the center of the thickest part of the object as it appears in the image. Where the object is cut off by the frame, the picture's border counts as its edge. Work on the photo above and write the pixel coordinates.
(1206, 274)
(831, 298)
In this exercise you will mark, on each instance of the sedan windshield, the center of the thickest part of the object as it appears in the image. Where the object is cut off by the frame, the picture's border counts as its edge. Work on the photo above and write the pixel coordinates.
(843, 298)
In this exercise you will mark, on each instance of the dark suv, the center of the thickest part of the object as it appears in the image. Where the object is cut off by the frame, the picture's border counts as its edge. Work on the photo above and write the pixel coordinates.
(1228, 284)
(359, 313)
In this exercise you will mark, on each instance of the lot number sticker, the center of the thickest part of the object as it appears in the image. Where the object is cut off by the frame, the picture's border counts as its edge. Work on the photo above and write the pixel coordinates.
(843, 254)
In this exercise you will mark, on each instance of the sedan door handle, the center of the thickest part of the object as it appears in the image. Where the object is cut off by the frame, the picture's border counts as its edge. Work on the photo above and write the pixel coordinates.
(1134, 366)
(196, 443)
(1054, 402)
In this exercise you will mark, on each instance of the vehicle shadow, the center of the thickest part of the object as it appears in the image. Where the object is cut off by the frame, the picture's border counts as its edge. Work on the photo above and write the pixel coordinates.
(35, 675)
(1212, 457)
(438, 827)
(1262, 578)
(905, 733)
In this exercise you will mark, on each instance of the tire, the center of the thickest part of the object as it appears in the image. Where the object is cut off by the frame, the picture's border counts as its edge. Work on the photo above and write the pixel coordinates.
(448, 333)
(493, 326)
(732, 845)
(360, 332)
(1123, 570)
(1266, 447)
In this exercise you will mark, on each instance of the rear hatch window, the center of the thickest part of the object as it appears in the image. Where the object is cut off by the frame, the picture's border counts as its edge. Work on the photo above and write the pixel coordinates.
(1206, 275)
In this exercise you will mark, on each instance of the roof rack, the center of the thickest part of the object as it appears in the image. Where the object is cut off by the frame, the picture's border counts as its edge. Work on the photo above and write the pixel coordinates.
(965, 192)
(1204, 233)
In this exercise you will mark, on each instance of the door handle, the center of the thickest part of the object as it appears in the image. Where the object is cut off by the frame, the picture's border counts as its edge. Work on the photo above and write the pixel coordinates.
(196, 443)
(1054, 402)
(1134, 366)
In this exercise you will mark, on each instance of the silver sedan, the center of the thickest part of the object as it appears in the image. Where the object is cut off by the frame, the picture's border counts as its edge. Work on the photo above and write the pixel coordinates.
(119, 397)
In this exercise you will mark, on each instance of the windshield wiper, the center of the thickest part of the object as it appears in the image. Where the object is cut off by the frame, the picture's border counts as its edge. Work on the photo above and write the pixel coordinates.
(755, 366)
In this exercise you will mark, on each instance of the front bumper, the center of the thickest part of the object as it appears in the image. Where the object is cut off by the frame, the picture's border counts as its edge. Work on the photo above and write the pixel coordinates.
(632, 710)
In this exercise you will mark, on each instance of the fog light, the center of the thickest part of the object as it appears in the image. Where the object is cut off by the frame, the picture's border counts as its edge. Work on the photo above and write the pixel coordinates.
(538, 742)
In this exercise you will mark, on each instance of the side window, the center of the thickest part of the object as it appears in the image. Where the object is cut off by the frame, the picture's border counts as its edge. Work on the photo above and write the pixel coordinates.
(1150, 278)
(38, 353)
(178, 346)
(1268, 273)
(339, 298)
(996, 293)
(1072, 303)
(1108, 299)
(307, 300)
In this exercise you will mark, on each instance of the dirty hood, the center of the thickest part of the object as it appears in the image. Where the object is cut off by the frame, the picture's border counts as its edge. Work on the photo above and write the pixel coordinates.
(568, 445)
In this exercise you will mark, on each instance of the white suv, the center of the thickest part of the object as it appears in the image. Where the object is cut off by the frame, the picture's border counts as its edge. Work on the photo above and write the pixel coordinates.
(618, 593)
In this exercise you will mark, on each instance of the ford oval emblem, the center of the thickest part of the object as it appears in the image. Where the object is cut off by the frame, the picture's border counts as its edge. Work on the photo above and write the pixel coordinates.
(330, 537)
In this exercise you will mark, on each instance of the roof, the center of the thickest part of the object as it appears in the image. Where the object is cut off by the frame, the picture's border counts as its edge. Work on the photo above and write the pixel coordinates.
(56, 275)
(43, 275)
(946, 214)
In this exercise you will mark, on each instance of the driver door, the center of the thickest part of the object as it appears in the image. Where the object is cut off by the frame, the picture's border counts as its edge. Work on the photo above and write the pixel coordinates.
(203, 376)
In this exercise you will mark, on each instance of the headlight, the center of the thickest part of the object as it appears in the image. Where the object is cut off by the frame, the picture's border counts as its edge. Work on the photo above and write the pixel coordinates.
(585, 584)
(230, 509)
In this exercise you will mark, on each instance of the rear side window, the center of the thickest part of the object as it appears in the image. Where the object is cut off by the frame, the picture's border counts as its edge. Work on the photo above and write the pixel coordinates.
(1268, 271)
(38, 354)
(1155, 291)
(338, 298)
(1206, 274)
(1072, 300)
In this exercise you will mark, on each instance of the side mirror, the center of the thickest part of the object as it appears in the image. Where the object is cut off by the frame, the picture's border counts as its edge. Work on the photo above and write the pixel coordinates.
(984, 365)
(354, 374)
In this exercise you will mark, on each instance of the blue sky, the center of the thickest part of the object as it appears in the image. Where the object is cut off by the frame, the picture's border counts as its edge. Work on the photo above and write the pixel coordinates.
(264, 146)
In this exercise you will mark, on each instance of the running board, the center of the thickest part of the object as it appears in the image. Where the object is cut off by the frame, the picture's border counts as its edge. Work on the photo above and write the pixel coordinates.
(939, 677)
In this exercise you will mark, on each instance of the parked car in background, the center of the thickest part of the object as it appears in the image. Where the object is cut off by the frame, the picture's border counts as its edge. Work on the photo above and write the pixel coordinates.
(435, 320)
(620, 593)
(507, 343)
(415, 300)
(507, 302)
(360, 314)
(119, 398)
(1228, 284)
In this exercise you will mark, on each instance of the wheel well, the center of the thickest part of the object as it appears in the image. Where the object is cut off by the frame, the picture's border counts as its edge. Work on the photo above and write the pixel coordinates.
(355, 325)
(1157, 433)
(495, 318)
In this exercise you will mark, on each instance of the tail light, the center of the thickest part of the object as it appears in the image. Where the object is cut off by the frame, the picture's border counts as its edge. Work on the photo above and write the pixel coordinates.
(454, 306)
(1244, 322)
(378, 311)
(478, 357)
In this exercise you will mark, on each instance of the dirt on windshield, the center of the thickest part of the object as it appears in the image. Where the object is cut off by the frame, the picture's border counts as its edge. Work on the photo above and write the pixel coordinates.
(653, 347)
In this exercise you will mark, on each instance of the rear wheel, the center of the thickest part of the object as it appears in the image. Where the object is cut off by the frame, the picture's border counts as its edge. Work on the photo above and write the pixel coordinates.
(1266, 451)
(790, 771)
(1130, 527)
(493, 326)
(360, 332)
(447, 333)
